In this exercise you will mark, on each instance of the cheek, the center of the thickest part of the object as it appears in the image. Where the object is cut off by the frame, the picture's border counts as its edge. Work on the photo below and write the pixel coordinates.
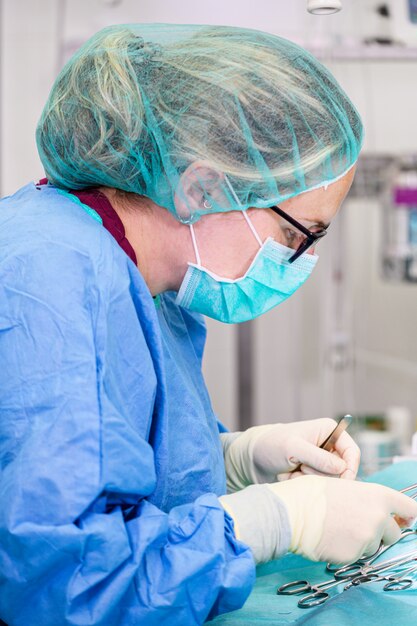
(266, 224)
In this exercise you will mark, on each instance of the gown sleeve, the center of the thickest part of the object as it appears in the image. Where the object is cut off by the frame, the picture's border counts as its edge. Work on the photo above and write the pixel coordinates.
(73, 549)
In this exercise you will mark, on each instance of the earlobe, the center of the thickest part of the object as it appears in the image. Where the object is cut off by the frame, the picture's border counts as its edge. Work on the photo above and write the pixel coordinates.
(198, 189)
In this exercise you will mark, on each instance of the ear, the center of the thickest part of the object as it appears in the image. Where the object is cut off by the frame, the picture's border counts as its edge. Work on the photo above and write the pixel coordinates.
(199, 183)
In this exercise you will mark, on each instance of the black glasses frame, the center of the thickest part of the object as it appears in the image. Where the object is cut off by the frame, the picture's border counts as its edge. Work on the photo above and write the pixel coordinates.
(311, 237)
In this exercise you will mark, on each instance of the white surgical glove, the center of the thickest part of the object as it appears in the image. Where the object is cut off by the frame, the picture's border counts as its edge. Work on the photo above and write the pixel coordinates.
(324, 519)
(265, 454)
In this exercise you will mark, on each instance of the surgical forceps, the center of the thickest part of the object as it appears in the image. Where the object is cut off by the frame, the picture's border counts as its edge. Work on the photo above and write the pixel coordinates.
(320, 591)
(399, 582)
(346, 571)
(370, 574)
(410, 488)
(361, 571)
(330, 441)
(319, 595)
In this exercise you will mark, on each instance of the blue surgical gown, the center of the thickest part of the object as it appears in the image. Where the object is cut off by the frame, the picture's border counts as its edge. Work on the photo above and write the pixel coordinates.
(110, 456)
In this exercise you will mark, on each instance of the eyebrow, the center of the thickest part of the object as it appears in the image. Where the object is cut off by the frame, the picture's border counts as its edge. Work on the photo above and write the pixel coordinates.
(320, 224)
(312, 223)
(315, 223)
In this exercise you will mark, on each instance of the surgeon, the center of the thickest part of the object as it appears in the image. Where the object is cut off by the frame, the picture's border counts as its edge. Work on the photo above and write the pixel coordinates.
(188, 170)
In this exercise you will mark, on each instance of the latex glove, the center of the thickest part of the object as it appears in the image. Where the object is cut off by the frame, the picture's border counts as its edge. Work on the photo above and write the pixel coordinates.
(260, 521)
(324, 519)
(339, 520)
(265, 454)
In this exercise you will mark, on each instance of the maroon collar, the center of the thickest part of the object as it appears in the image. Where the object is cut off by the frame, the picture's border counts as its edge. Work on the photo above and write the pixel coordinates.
(111, 221)
(96, 200)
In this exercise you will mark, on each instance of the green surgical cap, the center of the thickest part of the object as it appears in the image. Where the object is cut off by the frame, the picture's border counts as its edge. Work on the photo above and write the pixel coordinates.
(139, 105)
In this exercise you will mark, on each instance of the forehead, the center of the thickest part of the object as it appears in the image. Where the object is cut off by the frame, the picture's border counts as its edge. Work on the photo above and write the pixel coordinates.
(319, 206)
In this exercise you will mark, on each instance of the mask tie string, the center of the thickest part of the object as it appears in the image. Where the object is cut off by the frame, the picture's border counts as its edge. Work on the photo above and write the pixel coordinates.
(245, 215)
(196, 252)
(252, 227)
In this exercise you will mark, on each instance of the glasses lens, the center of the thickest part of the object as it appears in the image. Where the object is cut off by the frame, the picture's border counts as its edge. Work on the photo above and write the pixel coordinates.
(292, 236)
(289, 235)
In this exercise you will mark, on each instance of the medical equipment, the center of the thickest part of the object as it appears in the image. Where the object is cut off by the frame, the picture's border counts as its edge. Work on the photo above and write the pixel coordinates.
(331, 440)
(370, 573)
(345, 572)
(404, 21)
(400, 423)
(399, 235)
(320, 593)
(399, 582)
(389, 23)
(410, 488)
(362, 571)
(329, 443)
(324, 7)
(378, 448)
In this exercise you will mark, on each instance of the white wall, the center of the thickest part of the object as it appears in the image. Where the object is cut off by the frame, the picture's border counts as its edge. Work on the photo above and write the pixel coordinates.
(28, 63)
(295, 343)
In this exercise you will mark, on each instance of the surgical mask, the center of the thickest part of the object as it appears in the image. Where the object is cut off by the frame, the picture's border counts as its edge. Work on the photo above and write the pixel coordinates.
(270, 280)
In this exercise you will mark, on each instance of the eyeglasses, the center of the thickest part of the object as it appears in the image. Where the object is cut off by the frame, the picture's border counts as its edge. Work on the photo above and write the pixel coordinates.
(301, 241)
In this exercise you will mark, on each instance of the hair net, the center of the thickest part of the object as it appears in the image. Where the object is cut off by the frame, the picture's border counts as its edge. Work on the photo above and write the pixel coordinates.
(139, 105)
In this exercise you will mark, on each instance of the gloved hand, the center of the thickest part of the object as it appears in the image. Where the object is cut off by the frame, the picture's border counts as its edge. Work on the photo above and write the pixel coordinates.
(265, 454)
(329, 519)
(339, 521)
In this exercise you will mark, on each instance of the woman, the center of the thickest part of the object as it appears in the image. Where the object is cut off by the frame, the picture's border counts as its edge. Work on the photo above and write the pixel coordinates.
(167, 150)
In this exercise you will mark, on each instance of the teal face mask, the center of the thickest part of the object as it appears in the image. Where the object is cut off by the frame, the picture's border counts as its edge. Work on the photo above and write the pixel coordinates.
(270, 280)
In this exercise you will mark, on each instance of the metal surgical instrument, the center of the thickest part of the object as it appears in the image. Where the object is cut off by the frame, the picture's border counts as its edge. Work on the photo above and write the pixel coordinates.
(370, 574)
(410, 488)
(330, 441)
(399, 582)
(347, 570)
(320, 593)
(365, 570)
